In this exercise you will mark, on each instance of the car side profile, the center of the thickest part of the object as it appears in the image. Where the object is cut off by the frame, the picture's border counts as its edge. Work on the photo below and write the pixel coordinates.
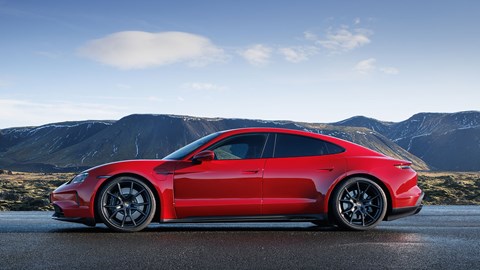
(248, 174)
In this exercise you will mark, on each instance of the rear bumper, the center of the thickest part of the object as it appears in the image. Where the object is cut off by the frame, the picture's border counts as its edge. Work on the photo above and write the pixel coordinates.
(397, 213)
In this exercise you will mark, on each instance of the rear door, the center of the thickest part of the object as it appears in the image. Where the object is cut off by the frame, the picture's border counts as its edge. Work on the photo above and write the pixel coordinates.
(298, 175)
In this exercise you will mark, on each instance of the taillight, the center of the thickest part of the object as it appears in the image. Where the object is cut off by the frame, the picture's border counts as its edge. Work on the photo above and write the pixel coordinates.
(403, 166)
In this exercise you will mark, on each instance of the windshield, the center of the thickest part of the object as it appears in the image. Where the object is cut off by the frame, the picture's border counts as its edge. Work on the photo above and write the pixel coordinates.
(189, 148)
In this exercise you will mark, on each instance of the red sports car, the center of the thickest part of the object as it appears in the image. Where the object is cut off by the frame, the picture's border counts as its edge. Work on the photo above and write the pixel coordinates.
(250, 174)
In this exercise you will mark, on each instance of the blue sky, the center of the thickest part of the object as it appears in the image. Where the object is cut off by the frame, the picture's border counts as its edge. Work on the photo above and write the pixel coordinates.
(313, 61)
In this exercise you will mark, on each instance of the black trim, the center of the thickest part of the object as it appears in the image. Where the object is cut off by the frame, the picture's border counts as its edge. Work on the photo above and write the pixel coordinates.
(269, 146)
(86, 221)
(272, 218)
(59, 215)
(406, 211)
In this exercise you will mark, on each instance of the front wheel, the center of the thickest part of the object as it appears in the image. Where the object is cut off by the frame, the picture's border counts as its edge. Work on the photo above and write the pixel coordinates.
(358, 204)
(126, 204)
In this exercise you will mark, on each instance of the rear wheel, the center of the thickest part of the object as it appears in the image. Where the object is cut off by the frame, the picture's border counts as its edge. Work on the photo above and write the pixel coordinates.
(358, 204)
(126, 204)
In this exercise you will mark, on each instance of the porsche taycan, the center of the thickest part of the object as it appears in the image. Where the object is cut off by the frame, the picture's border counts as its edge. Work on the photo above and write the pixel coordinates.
(246, 175)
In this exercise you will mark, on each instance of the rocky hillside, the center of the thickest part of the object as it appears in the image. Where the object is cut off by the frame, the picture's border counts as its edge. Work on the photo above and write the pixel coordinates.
(73, 146)
(445, 141)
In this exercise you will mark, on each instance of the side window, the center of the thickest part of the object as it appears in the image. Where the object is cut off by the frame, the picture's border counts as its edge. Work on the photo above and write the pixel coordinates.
(288, 145)
(240, 147)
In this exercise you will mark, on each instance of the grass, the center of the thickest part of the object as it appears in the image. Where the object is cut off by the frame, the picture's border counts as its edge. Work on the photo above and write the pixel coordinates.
(29, 191)
(451, 188)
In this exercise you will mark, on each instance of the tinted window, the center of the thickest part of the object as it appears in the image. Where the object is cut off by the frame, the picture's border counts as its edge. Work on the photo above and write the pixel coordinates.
(240, 147)
(187, 149)
(288, 145)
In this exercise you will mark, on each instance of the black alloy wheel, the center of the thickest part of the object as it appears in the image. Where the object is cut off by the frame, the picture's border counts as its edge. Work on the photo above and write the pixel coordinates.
(358, 204)
(126, 204)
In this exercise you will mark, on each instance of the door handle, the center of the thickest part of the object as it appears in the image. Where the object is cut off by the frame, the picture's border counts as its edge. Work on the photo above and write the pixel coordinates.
(325, 169)
(251, 171)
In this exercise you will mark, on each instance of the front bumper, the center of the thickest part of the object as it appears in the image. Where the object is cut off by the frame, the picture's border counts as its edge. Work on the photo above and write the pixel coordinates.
(60, 215)
(69, 206)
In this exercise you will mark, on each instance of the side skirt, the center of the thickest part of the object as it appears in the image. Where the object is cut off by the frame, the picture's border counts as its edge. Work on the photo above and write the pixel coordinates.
(274, 218)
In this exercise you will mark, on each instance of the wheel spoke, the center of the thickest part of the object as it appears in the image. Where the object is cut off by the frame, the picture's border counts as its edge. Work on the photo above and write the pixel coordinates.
(365, 191)
(139, 204)
(114, 213)
(131, 218)
(359, 191)
(363, 218)
(138, 193)
(347, 193)
(351, 217)
(124, 217)
(131, 189)
(114, 196)
(120, 190)
(141, 212)
(346, 201)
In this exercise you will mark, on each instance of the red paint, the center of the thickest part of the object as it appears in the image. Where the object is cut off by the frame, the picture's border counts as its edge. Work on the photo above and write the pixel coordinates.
(246, 187)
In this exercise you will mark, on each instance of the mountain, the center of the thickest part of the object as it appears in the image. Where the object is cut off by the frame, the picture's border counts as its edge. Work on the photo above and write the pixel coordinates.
(27, 148)
(445, 141)
(370, 123)
(73, 146)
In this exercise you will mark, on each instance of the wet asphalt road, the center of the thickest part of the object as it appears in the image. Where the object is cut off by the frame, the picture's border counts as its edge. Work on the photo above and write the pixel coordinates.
(437, 238)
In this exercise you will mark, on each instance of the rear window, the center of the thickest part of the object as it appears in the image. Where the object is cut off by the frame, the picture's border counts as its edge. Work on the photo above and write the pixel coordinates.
(288, 145)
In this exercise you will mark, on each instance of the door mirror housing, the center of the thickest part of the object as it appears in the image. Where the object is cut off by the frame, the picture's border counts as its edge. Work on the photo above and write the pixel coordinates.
(206, 155)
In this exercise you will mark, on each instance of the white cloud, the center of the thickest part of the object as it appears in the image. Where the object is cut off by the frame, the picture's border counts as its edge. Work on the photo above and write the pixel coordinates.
(138, 50)
(390, 70)
(200, 86)
(341, 40)
(257, 55)
(310, 36)
(366, 66)
(297, 54)
(357, 21)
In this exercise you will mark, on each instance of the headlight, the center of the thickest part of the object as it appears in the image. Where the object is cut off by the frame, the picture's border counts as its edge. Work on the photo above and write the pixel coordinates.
(80, 178)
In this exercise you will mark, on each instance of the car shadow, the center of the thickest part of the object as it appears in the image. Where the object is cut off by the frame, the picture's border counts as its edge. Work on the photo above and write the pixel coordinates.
(219, 227)
(202, 227)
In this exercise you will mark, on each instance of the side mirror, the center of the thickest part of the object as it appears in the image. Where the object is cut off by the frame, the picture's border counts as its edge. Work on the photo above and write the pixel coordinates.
(206, 155)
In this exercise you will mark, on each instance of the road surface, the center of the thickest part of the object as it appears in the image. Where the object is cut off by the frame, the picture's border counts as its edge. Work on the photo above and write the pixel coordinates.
(440, 237)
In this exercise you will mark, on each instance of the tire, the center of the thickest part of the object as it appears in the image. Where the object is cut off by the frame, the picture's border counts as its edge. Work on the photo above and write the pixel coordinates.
(126, 204)
(358, 204)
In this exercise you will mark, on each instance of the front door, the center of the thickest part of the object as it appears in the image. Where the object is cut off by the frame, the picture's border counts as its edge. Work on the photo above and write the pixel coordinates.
(230, 185)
